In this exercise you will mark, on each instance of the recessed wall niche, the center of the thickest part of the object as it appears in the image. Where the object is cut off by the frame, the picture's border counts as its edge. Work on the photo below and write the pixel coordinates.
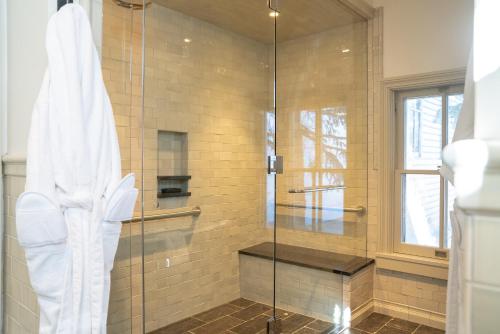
(172, 164)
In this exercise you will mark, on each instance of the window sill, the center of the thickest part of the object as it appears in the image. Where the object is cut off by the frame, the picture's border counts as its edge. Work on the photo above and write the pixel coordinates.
(415, 265)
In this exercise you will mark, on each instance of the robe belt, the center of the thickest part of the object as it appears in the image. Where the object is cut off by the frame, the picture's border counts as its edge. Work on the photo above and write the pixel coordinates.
(81, 200)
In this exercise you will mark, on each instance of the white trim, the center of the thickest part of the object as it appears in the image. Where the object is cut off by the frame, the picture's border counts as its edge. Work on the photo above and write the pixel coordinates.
(13, 158)
(3, 136)
(387, 143)
(397, 310)
(3, 77)
(360, 7)
(361, 312)
(411, 313)
(415, 265)
(13, 166)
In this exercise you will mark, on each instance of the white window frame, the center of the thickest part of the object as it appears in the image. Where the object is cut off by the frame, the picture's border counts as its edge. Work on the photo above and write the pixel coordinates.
(406, 248)
(385, 165)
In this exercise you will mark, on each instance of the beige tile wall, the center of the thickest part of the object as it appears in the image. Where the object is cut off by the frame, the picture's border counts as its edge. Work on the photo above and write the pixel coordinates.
(214, 89)
(316, 293)
(416, 298)
(311, 292)
(315, 77)
(20, 303)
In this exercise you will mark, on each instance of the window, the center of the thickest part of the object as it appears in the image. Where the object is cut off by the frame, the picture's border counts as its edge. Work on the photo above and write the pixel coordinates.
(426, 121)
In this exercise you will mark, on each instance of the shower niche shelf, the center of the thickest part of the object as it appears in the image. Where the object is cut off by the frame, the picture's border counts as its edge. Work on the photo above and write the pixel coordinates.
(173, 186)
(172, 175)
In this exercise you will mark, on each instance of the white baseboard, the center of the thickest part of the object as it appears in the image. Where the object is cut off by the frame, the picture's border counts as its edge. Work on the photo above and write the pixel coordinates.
(361, 312)
(410, 313)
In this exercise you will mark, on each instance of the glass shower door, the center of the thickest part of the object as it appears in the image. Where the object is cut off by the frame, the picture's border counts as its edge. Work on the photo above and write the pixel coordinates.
(321, 135)
(207, 101)
(121, 65)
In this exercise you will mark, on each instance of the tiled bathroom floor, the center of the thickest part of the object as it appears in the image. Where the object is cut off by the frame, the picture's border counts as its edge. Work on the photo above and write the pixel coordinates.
(383, 324)
(243, 316)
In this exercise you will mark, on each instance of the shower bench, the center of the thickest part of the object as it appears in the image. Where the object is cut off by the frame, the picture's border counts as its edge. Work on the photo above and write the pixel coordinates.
(325, 285)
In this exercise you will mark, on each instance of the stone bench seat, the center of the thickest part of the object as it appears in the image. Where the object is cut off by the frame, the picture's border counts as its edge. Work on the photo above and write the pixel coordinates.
(336, 263)
(325, 285)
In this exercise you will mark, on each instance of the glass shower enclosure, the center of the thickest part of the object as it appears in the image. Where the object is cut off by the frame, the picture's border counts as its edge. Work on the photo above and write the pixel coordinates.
(246, 125)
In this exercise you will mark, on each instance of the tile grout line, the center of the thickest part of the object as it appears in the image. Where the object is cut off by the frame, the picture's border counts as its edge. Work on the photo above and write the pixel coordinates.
(419, 325)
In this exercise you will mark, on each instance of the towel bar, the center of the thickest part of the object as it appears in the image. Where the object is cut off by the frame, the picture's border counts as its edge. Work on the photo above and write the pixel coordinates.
(195, 212)
(360, 210)
(315, 189)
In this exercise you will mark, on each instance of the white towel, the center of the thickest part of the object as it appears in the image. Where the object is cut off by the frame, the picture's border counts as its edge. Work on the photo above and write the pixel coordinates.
(465, 124)
(454, 297)
(66, 218)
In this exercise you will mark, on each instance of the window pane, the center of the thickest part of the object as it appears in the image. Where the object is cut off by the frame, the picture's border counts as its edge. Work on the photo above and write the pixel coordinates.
(449, 202)
(454, 107)
(420, 210)
(422, 131)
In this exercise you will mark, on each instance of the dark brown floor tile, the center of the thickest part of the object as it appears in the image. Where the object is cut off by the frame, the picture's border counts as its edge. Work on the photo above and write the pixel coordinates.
(251, 311)
(306, 330)
(217, 312)
(391, 330)
(252, 326)
(242, 302)
(403, 325)
(281, 314)
(428, 330)
(220, 325)
(373, 322)
(294, 322)
(321, 326)
(180, 326)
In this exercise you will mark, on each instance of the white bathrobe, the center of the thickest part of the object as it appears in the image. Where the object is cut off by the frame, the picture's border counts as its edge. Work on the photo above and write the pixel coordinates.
(69, 218)
(455, 293)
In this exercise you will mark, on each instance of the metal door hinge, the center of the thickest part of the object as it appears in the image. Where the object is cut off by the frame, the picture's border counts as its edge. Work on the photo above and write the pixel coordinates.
(273, 4)
(275, 164)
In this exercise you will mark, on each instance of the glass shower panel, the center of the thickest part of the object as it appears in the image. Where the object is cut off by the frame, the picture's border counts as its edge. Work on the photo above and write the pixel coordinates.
(121, 66)
(321, 132)
(207, 125)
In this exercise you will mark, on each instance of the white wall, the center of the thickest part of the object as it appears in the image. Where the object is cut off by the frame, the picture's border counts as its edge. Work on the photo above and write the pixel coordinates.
(426, 35)
(25, 28)
(26, 62)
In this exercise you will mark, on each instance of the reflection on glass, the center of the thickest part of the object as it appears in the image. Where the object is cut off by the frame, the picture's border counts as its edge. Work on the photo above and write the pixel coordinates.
(308, 131)
(319, 147)
(448, 230)
(270, 144)
(334, 138)
(423, 132)
(420, 216)
(455, 103)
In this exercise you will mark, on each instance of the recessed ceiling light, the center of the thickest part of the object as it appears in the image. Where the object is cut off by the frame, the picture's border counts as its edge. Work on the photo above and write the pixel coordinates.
(274, 13)
(346, 50)
(187, 40)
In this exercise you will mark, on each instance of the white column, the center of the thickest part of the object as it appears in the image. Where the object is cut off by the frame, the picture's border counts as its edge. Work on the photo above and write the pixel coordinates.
(487, 68)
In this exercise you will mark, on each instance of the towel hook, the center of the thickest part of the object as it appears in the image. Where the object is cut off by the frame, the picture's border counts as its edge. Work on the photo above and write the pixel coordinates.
(61, 3)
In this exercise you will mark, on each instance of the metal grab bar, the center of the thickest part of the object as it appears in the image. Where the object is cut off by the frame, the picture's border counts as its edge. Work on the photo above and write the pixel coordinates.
(195, 212)
(315, 189)
(359, 210)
